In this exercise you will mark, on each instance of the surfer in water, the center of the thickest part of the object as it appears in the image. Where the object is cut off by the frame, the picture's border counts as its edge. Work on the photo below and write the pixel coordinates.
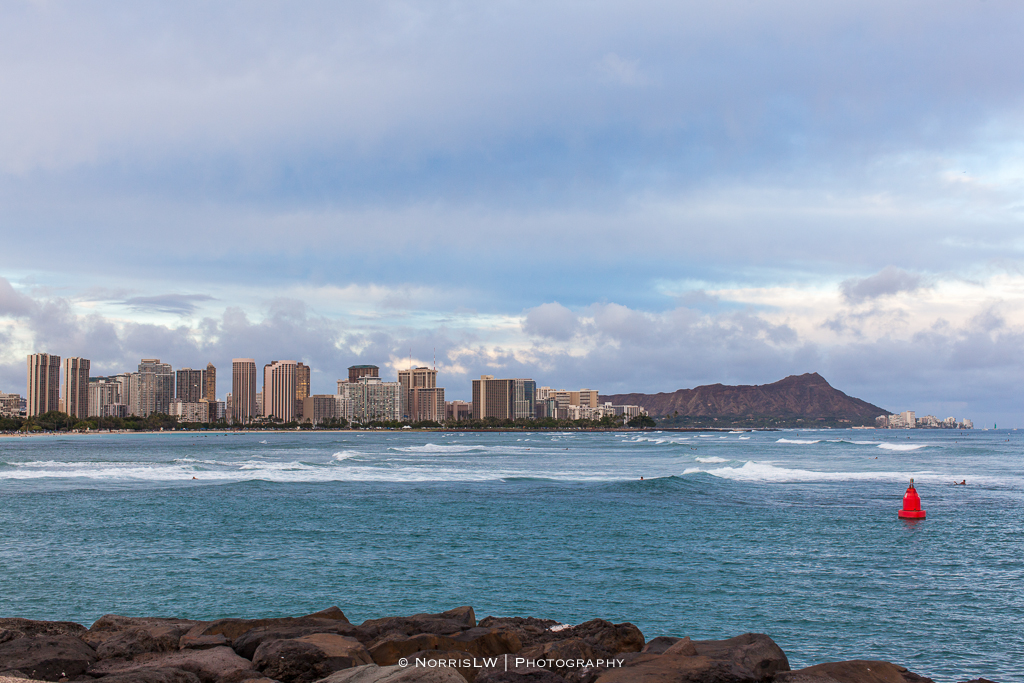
(960, 483)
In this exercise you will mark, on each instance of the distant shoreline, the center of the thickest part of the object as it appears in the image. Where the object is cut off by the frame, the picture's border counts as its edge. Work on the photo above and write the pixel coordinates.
(234, 432)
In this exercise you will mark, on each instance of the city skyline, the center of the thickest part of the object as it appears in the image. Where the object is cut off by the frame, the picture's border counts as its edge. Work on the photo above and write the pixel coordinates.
(363, 396)
(654, 197)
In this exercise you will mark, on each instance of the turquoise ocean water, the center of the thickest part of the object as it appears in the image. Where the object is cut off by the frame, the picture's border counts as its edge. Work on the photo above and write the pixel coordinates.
(793, 534)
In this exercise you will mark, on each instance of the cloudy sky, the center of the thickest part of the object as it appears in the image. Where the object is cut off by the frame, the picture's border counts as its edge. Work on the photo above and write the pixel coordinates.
(637, 196)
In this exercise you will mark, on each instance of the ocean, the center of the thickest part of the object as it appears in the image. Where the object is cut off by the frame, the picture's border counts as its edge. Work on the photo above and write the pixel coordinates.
(788, 533)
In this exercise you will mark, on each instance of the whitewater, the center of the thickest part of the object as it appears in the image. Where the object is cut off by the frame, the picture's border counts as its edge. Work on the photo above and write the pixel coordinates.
(791, 533)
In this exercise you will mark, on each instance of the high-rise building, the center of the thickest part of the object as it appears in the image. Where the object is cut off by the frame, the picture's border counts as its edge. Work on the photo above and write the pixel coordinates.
(134, 393)
(279, 380)
(124, 391)
(412, 379)
(302, 377)
(210, 390)
(426, 405)
(560, 403)
(10, 405)
(243, 390)
(103, 391)
(191, 385)
(155, 388)
(357, 371)
(319, 407)
(369, 399)
(524, 392)
(43, 383)
(457, 411)
(504, 399)
(76, 387)
(192, 411)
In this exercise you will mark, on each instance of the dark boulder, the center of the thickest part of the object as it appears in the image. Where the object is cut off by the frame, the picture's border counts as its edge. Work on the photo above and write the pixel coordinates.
(247, 643)
(155, 631)
(451, 659)
(606, 636)
(445, 623)
(666, 668)
(564, 657)
(521, 676)
(47, 657)
(165, 675)
(530, 630)
(12, 629)
(683, 646)
(211, 666)
(137, 640)
(233, 628)
(754, 651)
(658, 645)
(480, 642)
(600, 634)
(309, 658)
(853, 671)
(187, 642)
(487, 642)
(394, 674)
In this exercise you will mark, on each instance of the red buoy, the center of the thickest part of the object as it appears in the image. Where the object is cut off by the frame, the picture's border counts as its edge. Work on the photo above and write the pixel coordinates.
(911, 504)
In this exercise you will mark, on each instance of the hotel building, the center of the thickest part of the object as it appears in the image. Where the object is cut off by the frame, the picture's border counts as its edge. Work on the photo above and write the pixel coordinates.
(279, 387)
(76, 387)
(43, 384)
(243, 390)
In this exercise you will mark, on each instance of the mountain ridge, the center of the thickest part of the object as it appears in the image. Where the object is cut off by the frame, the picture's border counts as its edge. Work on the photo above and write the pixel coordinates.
(808, 396)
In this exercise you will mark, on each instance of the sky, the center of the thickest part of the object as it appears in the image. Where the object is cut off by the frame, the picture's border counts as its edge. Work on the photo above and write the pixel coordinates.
(640, 196)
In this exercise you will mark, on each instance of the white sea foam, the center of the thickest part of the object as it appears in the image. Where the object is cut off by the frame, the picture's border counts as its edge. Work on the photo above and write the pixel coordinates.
(657, 441)
(902, 446)
(805, 442)
(345, 455)
(453, 449)
(765, 472)
(744, 438)
(711, 459)
(438, 448)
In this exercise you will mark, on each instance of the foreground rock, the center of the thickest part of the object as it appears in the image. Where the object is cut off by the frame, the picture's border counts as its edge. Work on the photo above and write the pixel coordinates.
(13, 629)
(154, 676)
(447, 647)
(46, 657)
(309, 658)
(477, 642)
(394, 674)
(125, 637)
(231, 629)
(210, 666)
(854, 671)
(445, 623)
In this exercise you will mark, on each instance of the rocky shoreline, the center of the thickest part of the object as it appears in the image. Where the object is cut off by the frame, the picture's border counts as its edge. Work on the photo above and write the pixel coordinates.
(450, 647)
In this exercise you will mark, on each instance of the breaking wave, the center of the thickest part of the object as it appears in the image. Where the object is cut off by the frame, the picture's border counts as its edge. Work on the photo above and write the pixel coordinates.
(764, 472)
